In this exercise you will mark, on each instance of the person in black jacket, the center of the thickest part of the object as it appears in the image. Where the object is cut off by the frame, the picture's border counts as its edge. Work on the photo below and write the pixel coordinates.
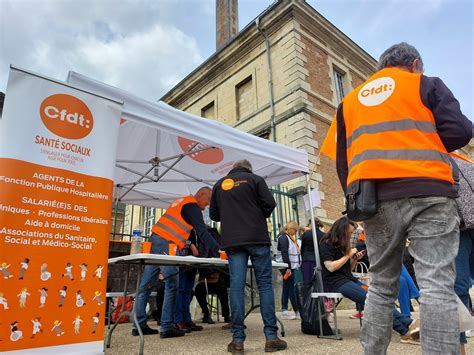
(242, 202)
(307, 250)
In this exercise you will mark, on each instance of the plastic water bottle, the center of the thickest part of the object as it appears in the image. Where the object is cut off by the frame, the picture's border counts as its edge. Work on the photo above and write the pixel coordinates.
(137, 239)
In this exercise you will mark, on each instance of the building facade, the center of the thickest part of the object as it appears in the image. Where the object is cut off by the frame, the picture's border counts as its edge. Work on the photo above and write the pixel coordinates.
(281, 77)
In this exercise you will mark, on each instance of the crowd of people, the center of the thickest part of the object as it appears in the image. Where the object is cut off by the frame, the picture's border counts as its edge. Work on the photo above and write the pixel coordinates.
(396, 134)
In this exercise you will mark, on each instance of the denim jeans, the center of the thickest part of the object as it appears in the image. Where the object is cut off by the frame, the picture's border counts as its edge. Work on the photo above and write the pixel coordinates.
(463, 270)
(356, 293)
(149, 279)
(432, 226)
(185, 295)
(288, 292)
(408, 290)
(261, 258)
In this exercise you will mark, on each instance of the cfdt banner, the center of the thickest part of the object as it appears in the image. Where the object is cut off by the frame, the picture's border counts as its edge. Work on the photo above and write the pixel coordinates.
(57, 153)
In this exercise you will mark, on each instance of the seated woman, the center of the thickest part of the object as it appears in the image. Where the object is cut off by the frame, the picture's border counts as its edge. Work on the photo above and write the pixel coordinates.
(213, 283)
(338, 260)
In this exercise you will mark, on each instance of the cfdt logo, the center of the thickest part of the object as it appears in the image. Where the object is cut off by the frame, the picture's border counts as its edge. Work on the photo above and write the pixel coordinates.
(376, 91)
(66, 116)
(204, 154)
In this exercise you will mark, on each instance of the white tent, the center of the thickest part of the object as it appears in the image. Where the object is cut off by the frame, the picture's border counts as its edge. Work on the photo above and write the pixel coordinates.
(164, 153)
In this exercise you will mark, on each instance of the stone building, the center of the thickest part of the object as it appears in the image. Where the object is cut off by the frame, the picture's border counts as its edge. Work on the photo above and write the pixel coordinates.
(281, 77)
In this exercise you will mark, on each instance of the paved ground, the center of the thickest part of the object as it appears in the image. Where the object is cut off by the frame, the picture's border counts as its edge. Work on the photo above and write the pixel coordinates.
(214, 340)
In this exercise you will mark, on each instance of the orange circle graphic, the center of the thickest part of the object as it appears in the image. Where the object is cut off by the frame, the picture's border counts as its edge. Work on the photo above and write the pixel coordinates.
(204, 154)
(66, 116)
(227, 184)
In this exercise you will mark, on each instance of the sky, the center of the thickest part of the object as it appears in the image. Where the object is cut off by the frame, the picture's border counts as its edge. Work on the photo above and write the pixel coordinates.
(148, 46)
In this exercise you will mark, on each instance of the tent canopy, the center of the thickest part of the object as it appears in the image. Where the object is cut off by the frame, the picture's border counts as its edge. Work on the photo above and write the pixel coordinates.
(164, 153)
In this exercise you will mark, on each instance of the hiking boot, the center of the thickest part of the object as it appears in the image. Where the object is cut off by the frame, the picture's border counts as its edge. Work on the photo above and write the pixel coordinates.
(182, 327)
(193, 326)
(207, 319)
(172, 333)
(146, 330)
(275, 345)
(236, 347)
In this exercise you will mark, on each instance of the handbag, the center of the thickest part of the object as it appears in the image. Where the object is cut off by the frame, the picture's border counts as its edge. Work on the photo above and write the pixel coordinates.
(361, 273)
(361, 200)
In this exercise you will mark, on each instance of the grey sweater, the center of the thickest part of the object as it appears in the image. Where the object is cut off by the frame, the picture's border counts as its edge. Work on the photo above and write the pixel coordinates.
(465, 201)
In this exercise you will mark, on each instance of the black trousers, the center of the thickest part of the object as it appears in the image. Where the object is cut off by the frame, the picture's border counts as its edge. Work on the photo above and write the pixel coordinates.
(220, 290)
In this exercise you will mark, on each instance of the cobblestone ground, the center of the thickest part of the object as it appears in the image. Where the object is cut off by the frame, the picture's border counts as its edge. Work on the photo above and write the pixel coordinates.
(214, 340)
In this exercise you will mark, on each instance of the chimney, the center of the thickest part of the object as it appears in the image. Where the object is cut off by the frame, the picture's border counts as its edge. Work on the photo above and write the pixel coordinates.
(227, 21)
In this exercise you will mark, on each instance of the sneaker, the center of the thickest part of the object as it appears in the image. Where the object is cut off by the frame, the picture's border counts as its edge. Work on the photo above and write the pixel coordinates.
(146, 330)
(414, 327)
(410, 339)
(358, 315)
(297, 316)
(236, 347)
(468, 333)
(287, 316)
(172, 333)
(275, 345)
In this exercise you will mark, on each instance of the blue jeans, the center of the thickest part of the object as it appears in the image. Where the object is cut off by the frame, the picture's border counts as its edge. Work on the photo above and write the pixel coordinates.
(354, 292)
(288, 291)
(463, 270)
(185, 295)
(408, 290)
(261, 258)
(149, 279)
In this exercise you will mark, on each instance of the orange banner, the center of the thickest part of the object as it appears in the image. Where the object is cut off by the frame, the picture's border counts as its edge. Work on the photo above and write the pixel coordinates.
(54, 229)
(57, 155)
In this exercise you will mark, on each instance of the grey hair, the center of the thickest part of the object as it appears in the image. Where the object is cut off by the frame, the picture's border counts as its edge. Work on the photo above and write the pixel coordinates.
(244, 163)
(399, 55)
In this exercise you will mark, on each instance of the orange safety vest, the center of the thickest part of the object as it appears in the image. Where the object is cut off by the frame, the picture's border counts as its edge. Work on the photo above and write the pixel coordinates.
(390, 133)
(171, 226)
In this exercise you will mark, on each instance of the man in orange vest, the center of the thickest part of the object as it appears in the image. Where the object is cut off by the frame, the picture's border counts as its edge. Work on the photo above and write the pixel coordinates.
(396, 130)
(173, 230)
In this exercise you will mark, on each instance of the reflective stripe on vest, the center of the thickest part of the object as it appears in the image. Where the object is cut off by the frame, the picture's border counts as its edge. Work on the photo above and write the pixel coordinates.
(400, 154)
(390, 133)
(171, 226)
(399, 125)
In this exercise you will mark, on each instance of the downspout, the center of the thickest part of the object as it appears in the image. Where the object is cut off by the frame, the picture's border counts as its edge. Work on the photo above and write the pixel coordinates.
(270, 78)
(272, 105)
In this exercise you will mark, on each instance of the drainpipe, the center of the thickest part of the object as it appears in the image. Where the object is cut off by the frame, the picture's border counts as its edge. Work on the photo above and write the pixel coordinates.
(272, 106)
(270, 78)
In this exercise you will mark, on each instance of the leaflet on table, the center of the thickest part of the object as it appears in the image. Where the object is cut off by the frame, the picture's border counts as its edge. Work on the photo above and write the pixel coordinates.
(57, 156)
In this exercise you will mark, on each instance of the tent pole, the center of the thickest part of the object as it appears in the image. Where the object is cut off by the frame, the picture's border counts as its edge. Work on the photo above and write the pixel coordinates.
(315, 238)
